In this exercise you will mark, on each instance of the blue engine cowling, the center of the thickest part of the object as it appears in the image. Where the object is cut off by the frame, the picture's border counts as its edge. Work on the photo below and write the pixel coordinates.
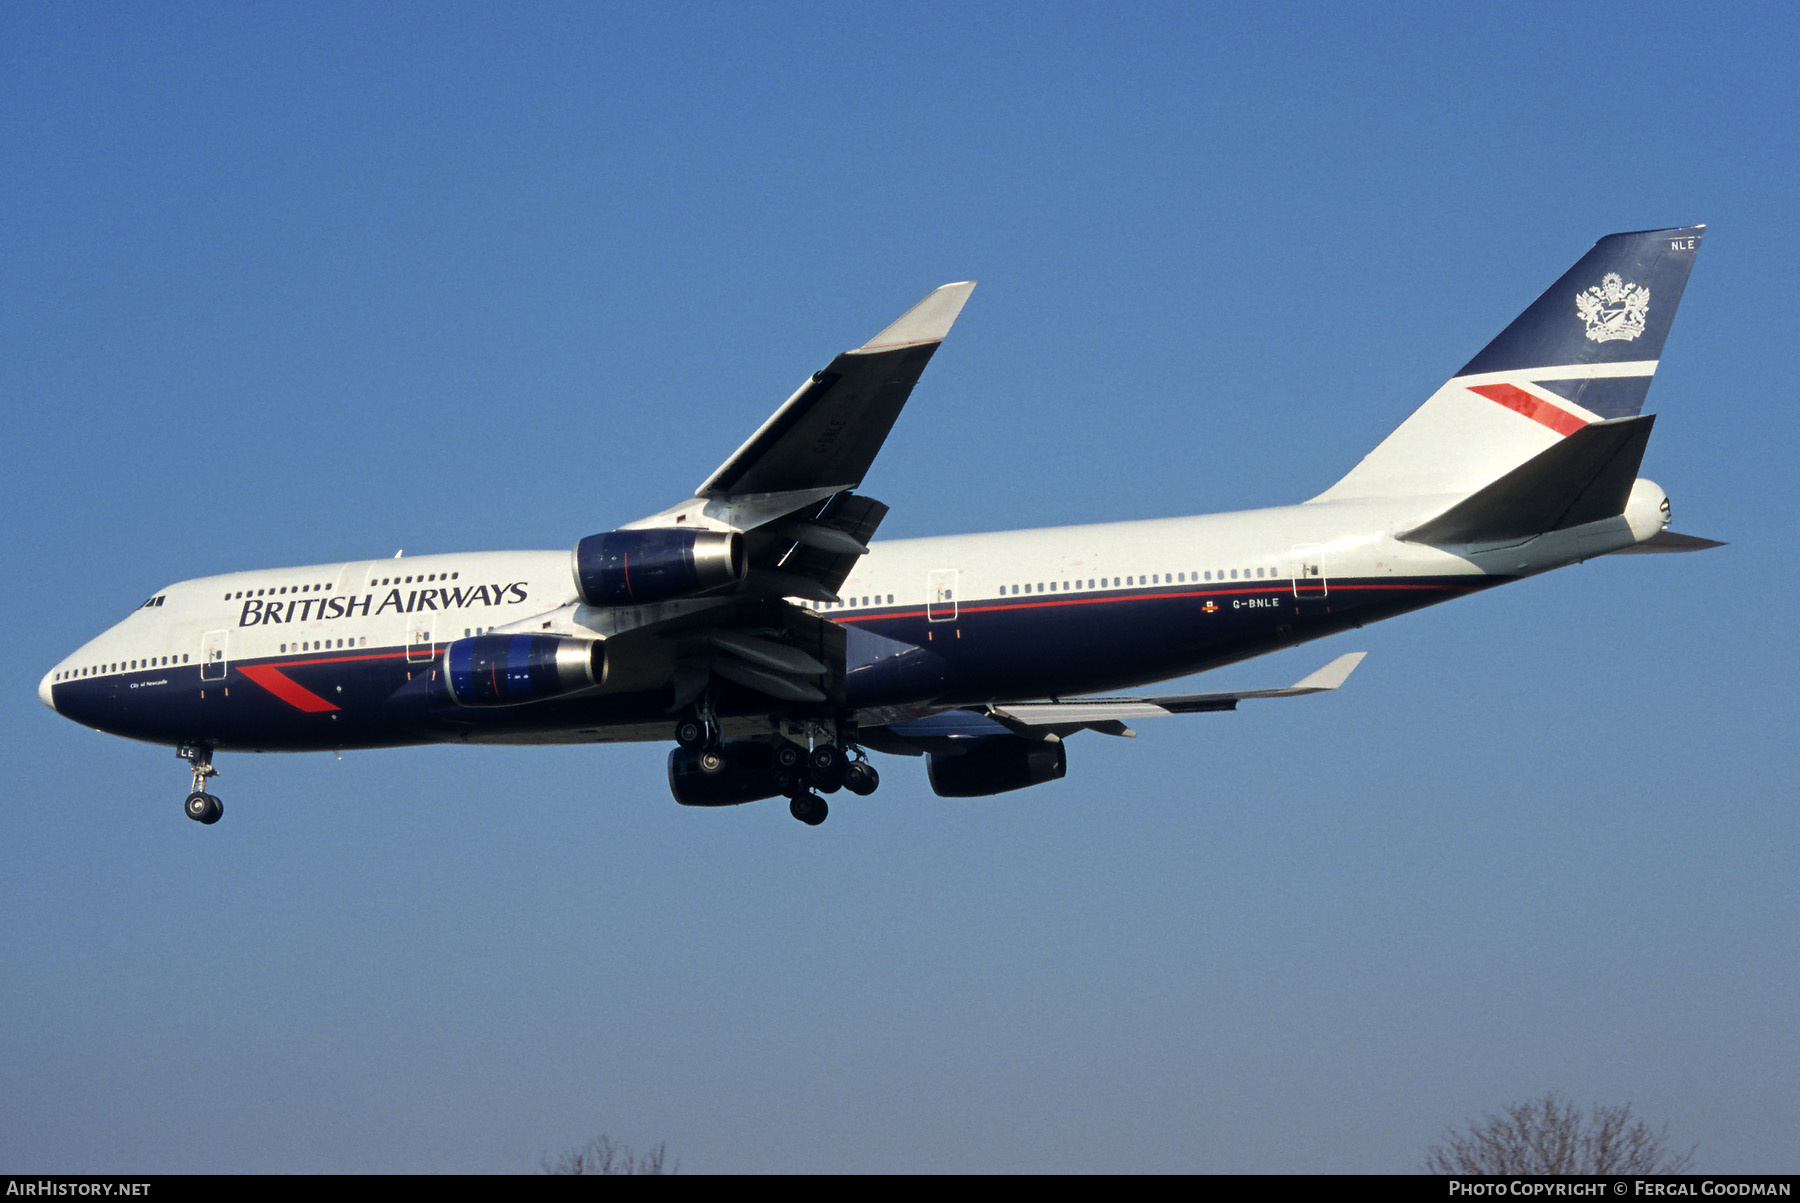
(994, 765)
(634, 567)
(747, 775)
(510, 670)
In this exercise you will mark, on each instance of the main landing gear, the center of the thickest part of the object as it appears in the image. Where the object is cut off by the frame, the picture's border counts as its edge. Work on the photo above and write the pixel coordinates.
(826, 768)
(695, 732)
(698, 731)
(808, 761)
(201, 806)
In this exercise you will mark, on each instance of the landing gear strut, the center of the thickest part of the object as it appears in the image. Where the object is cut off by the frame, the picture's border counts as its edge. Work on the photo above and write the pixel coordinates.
(832, 764)
(793, 775)
(699, 729)
(201, 806)
(699, 732)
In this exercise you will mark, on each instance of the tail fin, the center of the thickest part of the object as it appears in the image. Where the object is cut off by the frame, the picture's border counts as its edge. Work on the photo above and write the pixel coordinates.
(1582, 353)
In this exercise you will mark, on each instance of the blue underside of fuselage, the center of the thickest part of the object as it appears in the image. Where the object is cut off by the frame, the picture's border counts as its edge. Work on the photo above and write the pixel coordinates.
(1017, 648)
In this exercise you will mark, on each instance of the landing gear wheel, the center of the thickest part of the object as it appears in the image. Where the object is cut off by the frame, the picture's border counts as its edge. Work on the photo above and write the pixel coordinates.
(809, 809)
(861, 779)
(204, 808)
(690, 733)
(825, 765)
(787, 756)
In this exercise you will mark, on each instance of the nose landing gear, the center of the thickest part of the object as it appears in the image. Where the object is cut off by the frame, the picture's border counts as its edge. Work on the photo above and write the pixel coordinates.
(201, 806)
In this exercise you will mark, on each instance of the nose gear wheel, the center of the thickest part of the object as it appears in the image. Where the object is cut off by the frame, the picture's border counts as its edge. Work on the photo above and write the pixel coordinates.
(201, 806)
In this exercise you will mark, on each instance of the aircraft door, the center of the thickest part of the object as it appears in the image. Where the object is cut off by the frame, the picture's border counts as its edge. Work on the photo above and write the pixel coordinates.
(1307, 567)
(940, 595)
(421, 644)
(212, 655)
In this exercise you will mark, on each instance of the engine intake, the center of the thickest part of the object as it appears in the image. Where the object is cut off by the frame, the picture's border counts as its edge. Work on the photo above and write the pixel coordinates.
(994, 765)
(747, 775)
(635, 567)
(510, 670)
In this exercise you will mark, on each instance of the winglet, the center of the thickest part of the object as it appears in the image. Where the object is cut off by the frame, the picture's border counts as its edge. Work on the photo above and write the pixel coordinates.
(927, 322)
(826, 435)
(1331, 676)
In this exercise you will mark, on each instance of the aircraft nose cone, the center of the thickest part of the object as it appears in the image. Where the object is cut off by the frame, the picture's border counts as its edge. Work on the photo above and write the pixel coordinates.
(44, 689)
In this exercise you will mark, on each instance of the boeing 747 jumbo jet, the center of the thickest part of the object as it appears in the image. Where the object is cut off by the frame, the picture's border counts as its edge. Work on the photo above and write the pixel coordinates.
(757, 626)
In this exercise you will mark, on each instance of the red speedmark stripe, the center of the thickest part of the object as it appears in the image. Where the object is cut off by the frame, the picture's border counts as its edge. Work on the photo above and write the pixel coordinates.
(285, 688)
(1535, 408)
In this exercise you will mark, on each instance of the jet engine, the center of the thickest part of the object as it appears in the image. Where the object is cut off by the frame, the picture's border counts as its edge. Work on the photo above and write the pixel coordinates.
(744, 772)
(509, 670)
(994, 765)
(635, 567)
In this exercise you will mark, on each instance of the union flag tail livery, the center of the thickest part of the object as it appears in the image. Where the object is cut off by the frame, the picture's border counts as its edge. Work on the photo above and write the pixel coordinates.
(758, 627)
(1584, 352)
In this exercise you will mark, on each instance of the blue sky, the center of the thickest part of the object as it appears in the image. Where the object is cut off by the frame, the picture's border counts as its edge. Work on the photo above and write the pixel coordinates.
(292, 284)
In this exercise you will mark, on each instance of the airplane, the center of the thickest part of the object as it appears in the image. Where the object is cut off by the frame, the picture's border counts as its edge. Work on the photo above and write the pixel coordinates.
(757, 626)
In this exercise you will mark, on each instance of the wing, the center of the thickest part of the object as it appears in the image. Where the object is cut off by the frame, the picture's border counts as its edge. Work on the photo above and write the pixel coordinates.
(828, 432)
(788, 492)
(788, 488)
(1039, 720)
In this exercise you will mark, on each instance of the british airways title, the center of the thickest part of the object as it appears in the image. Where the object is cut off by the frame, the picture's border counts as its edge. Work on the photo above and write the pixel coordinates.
(261, 611)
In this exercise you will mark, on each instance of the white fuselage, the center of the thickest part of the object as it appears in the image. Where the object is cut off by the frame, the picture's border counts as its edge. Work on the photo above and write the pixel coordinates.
(417, 604)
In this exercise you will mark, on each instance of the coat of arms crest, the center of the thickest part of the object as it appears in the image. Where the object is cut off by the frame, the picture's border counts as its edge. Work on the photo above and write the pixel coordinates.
(1613, 309)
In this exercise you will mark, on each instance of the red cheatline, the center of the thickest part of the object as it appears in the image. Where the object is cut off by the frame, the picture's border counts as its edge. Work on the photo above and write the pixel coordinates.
(288, 690)
(1535, 408)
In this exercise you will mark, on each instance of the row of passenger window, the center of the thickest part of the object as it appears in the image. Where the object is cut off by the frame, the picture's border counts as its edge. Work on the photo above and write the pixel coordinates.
(320, 645)
(851, 603)
(1132, 582)
(278, 590)
(120, 666)
(327, 645)
(1127, 582)
(310, 645)
(412, 580)
(275, 591)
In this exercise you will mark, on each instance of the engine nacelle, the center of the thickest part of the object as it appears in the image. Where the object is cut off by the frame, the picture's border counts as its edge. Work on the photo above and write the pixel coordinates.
(635, 567)
(994, 765)
(510, 670)
(747, 775)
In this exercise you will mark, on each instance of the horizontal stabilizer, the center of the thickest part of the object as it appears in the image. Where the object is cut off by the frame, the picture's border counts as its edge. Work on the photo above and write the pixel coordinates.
(1586, 477)
(1666, 541)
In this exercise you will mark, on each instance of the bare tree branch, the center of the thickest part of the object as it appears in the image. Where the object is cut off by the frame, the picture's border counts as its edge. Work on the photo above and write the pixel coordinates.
(602, 1156)
(1551, 1136)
